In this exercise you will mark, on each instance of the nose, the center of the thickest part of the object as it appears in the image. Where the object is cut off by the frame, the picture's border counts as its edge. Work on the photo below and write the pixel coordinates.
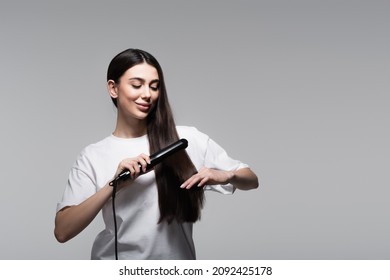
(146, 93)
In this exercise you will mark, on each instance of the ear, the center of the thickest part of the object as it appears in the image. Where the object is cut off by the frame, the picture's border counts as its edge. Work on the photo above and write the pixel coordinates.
(112, 89)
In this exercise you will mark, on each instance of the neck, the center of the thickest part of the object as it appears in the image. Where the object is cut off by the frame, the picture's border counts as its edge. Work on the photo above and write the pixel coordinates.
(130, 128)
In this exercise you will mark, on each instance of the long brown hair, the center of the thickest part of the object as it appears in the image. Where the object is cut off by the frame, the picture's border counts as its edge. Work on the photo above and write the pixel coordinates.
(174, 202)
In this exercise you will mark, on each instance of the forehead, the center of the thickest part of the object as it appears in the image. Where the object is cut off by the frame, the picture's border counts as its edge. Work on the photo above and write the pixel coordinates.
(144, 71)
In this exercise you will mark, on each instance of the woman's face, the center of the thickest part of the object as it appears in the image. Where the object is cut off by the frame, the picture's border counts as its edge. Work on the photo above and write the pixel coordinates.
(137, 91)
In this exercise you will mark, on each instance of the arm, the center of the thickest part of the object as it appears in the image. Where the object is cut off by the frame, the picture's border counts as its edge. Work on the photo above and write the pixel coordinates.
(71, 220)
(243, 179)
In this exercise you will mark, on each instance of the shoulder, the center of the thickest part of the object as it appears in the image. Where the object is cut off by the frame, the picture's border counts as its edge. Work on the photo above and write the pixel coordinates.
(92, 152)
(96, 147)
(191, 132)
(195, 138)
(197, 141)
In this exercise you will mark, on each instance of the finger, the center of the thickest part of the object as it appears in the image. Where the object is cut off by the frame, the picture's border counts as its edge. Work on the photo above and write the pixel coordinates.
(190, 182)
(130, 167)
(186, 182)
(142, 164)
(194, 181)
(134, 168)
(146, 158)
(203, 181)
(122, 166)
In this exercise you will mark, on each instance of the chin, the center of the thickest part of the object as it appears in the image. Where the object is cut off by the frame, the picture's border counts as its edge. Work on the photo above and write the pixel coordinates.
(141, 116)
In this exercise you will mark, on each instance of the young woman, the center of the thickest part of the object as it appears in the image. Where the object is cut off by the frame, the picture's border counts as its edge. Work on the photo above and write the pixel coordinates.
(154, 211)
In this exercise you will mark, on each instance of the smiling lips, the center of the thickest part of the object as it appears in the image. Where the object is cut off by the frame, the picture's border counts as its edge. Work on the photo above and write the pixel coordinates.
(143, 106)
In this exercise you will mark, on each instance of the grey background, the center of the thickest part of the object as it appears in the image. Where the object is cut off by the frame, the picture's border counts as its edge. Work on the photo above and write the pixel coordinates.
(299, 90)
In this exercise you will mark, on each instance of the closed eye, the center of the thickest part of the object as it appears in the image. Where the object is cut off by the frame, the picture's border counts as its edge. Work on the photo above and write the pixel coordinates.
(136, 86)
(155, 86)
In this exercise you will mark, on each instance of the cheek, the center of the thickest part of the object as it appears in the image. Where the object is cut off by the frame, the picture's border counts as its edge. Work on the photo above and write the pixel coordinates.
(154, 101)
(155, 97)
(127, 96)
(131, 93)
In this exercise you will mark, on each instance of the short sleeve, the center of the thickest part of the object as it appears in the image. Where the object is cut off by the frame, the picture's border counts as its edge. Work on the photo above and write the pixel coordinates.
(80, 185)
(217, 158)
(206, 152)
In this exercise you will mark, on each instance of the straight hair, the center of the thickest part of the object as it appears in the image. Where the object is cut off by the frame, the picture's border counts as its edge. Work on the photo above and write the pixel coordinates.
(174, 202)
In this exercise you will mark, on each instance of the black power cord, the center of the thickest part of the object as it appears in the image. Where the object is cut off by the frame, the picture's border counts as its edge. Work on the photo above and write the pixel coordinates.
(114, 185)
(125, 174)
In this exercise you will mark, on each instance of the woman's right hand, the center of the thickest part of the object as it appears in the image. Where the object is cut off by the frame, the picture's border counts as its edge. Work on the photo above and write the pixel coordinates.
(134, 165)
(71, 220)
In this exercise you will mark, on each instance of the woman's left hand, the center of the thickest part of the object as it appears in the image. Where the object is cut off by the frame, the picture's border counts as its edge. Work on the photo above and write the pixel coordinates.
(208, 176)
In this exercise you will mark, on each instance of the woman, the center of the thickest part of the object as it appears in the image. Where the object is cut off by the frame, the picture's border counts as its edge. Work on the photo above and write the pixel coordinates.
(154, 211)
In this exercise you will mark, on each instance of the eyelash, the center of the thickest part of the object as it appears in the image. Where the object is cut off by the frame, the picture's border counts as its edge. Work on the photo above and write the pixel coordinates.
(139, 86)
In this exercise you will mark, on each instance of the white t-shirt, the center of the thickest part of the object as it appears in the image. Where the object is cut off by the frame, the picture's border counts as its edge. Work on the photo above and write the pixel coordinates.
(137, 210)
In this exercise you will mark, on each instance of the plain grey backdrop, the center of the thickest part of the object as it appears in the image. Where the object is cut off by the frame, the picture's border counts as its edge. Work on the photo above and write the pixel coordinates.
(299, 90)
